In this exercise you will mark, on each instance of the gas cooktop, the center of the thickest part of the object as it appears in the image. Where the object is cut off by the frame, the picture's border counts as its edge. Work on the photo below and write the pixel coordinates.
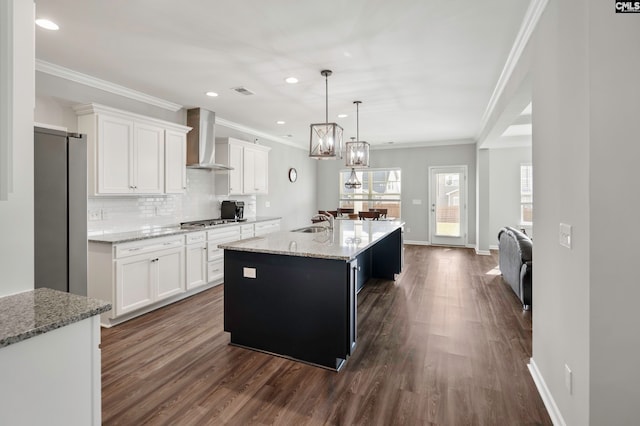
(208, 223)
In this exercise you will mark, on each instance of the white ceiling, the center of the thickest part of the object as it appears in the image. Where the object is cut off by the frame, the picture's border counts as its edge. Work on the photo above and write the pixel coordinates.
(424, 69)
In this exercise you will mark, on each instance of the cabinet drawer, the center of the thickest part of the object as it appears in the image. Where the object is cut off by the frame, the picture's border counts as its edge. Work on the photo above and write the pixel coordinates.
(246, 229)
(263, 228)
(215, 271)
(196, 237)
(146, 246)
(224, 235)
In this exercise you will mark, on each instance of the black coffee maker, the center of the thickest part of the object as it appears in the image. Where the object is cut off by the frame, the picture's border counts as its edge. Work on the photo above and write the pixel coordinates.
(232, 209)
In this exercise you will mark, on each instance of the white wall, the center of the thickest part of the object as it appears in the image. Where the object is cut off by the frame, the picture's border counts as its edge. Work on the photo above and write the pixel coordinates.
(415, 163)
(585, 146)
(614, 140)
(16, 214)
(504, 192)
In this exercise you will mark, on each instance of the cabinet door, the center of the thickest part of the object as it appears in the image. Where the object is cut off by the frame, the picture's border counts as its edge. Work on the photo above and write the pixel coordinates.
(175, 158)
(170, 277)
(148, 166)
(235, 175)
(196, 265)
(115, 155)
(134, 287)
(261, 172)
(249, 171)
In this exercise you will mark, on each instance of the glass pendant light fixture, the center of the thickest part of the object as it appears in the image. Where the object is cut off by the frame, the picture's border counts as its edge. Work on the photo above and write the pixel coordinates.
(325, 142)
(357, 152)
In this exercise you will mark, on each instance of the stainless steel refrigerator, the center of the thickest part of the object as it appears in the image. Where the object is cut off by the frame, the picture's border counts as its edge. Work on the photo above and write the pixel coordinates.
(60, 203)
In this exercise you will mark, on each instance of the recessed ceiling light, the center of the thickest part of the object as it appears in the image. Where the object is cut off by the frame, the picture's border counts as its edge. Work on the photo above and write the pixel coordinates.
(280, 122)
(343, 115)
(291, 80)
(47, 24)
(212, 94)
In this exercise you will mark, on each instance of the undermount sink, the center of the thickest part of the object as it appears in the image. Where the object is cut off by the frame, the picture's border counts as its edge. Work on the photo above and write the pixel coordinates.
(311, 229)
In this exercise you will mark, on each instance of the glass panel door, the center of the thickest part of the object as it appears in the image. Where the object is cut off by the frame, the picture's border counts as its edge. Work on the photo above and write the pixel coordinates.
(447, 199)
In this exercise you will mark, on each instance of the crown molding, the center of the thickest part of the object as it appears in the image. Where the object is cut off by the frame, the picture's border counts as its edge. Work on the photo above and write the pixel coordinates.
(259, 134)
(107, 86)
(531, 18)
(378, 147)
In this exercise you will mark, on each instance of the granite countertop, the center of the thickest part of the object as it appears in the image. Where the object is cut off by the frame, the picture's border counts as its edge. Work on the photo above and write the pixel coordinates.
(165, 231)
(28, 314)
(348, 239)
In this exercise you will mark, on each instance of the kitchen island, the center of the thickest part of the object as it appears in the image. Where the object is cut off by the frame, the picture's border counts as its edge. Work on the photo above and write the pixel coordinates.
(294, 294)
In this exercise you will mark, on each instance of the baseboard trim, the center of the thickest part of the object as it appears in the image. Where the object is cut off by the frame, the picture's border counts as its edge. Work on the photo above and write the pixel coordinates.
(483, 252)
(494, 247)
(417, 243)
(545, 394)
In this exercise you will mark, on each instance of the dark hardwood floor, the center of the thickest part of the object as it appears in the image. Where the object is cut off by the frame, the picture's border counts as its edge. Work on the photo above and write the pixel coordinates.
(447, 343)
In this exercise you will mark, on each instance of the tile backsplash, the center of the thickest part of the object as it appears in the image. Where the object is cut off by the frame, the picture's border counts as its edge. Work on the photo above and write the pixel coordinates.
(129, 213)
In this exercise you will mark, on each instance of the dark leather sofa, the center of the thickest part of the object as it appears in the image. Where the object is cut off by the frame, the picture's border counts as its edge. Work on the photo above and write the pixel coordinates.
(515, 250)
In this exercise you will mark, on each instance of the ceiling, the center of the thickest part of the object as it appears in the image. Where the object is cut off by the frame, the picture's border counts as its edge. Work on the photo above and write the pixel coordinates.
(424, 70)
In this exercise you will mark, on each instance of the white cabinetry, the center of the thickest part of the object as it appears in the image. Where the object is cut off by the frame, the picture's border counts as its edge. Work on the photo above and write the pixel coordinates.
(132, 154)
(146, 278)
(196, 251)
(247, 231)
(215, 255)
(250, 163)
(267, 227)
(175, 157)
(256, 170)
(148, 159)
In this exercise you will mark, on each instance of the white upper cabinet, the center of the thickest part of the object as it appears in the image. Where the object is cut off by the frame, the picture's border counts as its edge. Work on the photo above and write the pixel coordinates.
(114, 159)
(250, 163)
(132, 154)
(175, 157)
(148, 159)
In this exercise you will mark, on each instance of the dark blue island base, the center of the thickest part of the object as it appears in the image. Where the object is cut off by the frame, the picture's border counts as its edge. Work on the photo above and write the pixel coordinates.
(303, 308)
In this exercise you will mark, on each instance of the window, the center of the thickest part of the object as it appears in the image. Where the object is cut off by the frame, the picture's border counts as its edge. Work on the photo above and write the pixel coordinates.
(380, 190)
(526, 194)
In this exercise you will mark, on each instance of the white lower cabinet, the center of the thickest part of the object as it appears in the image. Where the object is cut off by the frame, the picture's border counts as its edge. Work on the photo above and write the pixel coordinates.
(196, 251)
(247, 231)
(267, 227)
(147, 278)
(215, 255)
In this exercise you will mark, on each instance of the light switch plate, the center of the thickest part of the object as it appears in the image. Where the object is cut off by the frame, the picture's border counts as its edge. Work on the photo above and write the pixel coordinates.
(417, 201)
(94, 215)
(565, 235)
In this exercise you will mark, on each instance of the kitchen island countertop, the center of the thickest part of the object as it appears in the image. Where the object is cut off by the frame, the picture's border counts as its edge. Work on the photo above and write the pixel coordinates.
(348, 239)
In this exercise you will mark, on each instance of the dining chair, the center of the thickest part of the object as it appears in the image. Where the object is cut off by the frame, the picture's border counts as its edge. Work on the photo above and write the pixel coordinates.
(375, 215)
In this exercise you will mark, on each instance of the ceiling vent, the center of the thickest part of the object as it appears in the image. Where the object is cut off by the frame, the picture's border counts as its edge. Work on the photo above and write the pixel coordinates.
(243, 91)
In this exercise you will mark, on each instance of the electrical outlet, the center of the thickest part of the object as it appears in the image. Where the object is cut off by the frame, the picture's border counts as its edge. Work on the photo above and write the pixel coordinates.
(416, 201)
(408, 230)
(267, 203)
(568, 379)
(94, 215)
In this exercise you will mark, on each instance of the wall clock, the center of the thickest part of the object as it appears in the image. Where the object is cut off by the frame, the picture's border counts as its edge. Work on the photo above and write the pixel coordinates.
(293, 174)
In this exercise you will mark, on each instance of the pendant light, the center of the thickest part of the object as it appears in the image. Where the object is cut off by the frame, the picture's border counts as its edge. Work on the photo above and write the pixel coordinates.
(357, 152)
(325, 142)
(352, 182)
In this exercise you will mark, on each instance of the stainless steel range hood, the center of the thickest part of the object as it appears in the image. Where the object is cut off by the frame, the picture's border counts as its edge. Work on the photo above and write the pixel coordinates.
(201, 140)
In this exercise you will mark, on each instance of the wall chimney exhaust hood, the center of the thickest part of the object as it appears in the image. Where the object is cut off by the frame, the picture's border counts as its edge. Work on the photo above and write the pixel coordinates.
(201, 141)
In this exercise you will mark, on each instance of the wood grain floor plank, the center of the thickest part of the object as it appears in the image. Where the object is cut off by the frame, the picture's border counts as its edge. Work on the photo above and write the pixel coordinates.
(446, 343)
